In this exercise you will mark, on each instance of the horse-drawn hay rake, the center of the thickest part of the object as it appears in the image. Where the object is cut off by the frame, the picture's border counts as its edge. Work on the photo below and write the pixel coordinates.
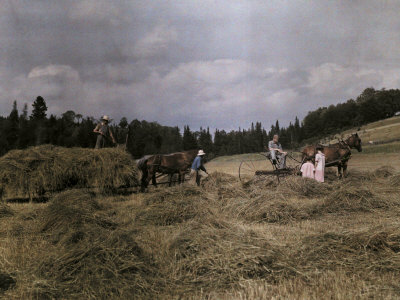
(261, 166)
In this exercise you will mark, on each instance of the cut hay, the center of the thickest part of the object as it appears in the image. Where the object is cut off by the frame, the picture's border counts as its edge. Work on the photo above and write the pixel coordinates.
(174, 206)
(372, 250)
(303, 187)
(226, 186)
(92, 257)
(395, 180)
(5, 210)
(69, 215)
(219, 255)
(349, 198)
(47, 168)
(384, 172)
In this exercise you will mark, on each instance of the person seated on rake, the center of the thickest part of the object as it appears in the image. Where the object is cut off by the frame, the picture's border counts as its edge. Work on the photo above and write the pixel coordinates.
(277, 154)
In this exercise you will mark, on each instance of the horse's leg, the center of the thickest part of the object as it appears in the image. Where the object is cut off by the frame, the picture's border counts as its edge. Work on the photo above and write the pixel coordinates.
(143, 181)
(345, 169)
(170, 177)
(153, 179)
(182, 176)
(339, 169)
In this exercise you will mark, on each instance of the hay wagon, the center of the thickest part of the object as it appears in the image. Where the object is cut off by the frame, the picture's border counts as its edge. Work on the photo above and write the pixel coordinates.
(260, 166)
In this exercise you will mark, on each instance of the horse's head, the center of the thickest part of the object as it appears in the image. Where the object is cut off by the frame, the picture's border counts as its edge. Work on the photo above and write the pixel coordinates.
(354, 141)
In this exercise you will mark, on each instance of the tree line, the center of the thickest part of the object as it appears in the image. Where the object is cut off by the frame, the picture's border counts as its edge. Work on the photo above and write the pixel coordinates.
(19, 130)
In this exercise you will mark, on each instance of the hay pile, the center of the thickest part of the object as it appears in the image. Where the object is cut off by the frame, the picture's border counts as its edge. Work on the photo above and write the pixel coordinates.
(37, 170)
(5, 210)
(216, 254)
(91, 256)
(376, 249)
(173, 206)
(395, 180)
(384, 171)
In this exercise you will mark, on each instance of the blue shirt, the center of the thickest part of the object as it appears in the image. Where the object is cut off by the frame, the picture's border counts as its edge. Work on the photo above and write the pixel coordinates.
(197, 163)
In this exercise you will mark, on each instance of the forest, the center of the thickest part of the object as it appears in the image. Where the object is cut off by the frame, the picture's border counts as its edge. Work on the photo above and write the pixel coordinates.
(19, 130)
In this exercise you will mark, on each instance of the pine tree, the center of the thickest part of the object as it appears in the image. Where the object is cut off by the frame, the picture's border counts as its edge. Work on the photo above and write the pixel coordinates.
(24, 133)
(189, 139)
(13, 127)
(39, 109)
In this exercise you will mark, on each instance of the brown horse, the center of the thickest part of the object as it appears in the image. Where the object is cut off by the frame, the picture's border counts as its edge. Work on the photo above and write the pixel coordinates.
(336, 154)
(169, 164)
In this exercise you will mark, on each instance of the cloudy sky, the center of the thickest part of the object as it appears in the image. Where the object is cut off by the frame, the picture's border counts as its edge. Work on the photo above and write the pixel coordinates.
(216, 63)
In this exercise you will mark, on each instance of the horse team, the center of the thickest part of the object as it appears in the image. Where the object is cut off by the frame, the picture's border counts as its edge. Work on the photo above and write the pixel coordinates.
(337, 154)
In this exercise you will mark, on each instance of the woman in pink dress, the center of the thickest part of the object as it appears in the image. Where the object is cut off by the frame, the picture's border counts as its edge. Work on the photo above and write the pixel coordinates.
(307, 169)
(320, 165)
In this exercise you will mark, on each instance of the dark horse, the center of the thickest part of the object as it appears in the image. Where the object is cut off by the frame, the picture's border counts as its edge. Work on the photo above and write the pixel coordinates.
(169, 164)
(336, 154)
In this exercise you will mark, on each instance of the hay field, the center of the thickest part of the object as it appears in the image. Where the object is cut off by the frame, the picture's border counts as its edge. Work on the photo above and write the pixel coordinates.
(225, 240)
(380, 131)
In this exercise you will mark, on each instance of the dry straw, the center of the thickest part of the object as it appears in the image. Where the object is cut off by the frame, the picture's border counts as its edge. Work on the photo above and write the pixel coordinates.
(37, 170)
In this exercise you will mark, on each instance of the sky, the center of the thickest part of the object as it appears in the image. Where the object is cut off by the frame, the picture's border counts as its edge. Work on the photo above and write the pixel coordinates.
(210, 63)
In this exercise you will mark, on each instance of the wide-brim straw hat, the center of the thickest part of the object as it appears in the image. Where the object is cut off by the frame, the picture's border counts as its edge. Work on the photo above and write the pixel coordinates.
(105, 118)
(201, 152)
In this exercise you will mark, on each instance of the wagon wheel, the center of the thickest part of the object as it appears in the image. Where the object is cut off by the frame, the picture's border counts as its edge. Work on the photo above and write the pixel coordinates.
(256, 166)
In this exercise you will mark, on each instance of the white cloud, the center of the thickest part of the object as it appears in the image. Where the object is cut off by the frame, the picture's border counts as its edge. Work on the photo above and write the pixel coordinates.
(54, 70)
(97, 11)
(155, 43)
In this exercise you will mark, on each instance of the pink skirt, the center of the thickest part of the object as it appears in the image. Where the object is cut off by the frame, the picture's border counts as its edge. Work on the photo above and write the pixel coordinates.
(319, 175)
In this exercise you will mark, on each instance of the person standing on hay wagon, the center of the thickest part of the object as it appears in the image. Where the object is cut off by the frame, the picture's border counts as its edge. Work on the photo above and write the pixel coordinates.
(104, 133)
(275, 148)
(197, 165)
(320, 165)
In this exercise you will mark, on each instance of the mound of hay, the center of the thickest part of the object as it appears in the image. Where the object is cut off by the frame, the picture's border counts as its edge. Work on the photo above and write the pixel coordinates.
(218, 255)
(69, 216)
(395, 180)
(37, 170)
(92, 257)
(304, 187)
(173, 206)
(5, 210)
(373, 250)
(384, 171)
(269, 210)
(350, 198)
(226, 186)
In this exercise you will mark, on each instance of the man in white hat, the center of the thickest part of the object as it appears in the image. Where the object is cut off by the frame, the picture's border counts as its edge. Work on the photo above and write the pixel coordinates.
(197, 165)
(104, 132)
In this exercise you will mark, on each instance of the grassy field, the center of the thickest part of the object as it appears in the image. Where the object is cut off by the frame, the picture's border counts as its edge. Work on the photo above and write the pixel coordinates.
(380, 131)
(224, 240)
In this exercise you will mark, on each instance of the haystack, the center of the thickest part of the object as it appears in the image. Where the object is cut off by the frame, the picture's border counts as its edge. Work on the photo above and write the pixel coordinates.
(395, 180)
(37, 170)
(5, 210)
(174, 205)
(92, 255)
(217, 255)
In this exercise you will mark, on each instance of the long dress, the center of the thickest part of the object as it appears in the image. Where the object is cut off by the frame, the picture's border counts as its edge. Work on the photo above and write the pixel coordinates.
(307, 170)
(320, 167)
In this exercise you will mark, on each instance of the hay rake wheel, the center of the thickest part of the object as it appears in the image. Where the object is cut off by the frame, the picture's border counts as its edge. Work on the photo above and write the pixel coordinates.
(261, 168)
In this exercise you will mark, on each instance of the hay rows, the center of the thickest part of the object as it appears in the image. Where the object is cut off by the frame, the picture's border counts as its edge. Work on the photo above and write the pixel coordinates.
(221, 241)
(37, 170)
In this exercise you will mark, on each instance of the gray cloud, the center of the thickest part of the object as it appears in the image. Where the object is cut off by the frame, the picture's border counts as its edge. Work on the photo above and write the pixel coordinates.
(204, 63)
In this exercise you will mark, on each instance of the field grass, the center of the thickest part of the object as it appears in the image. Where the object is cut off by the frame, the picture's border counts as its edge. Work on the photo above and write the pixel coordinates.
(380, 131)
(225, 240)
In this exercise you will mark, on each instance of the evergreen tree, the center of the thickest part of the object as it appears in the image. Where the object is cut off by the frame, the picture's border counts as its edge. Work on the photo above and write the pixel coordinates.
(189, 139)
(39, 109)
(13, 127)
